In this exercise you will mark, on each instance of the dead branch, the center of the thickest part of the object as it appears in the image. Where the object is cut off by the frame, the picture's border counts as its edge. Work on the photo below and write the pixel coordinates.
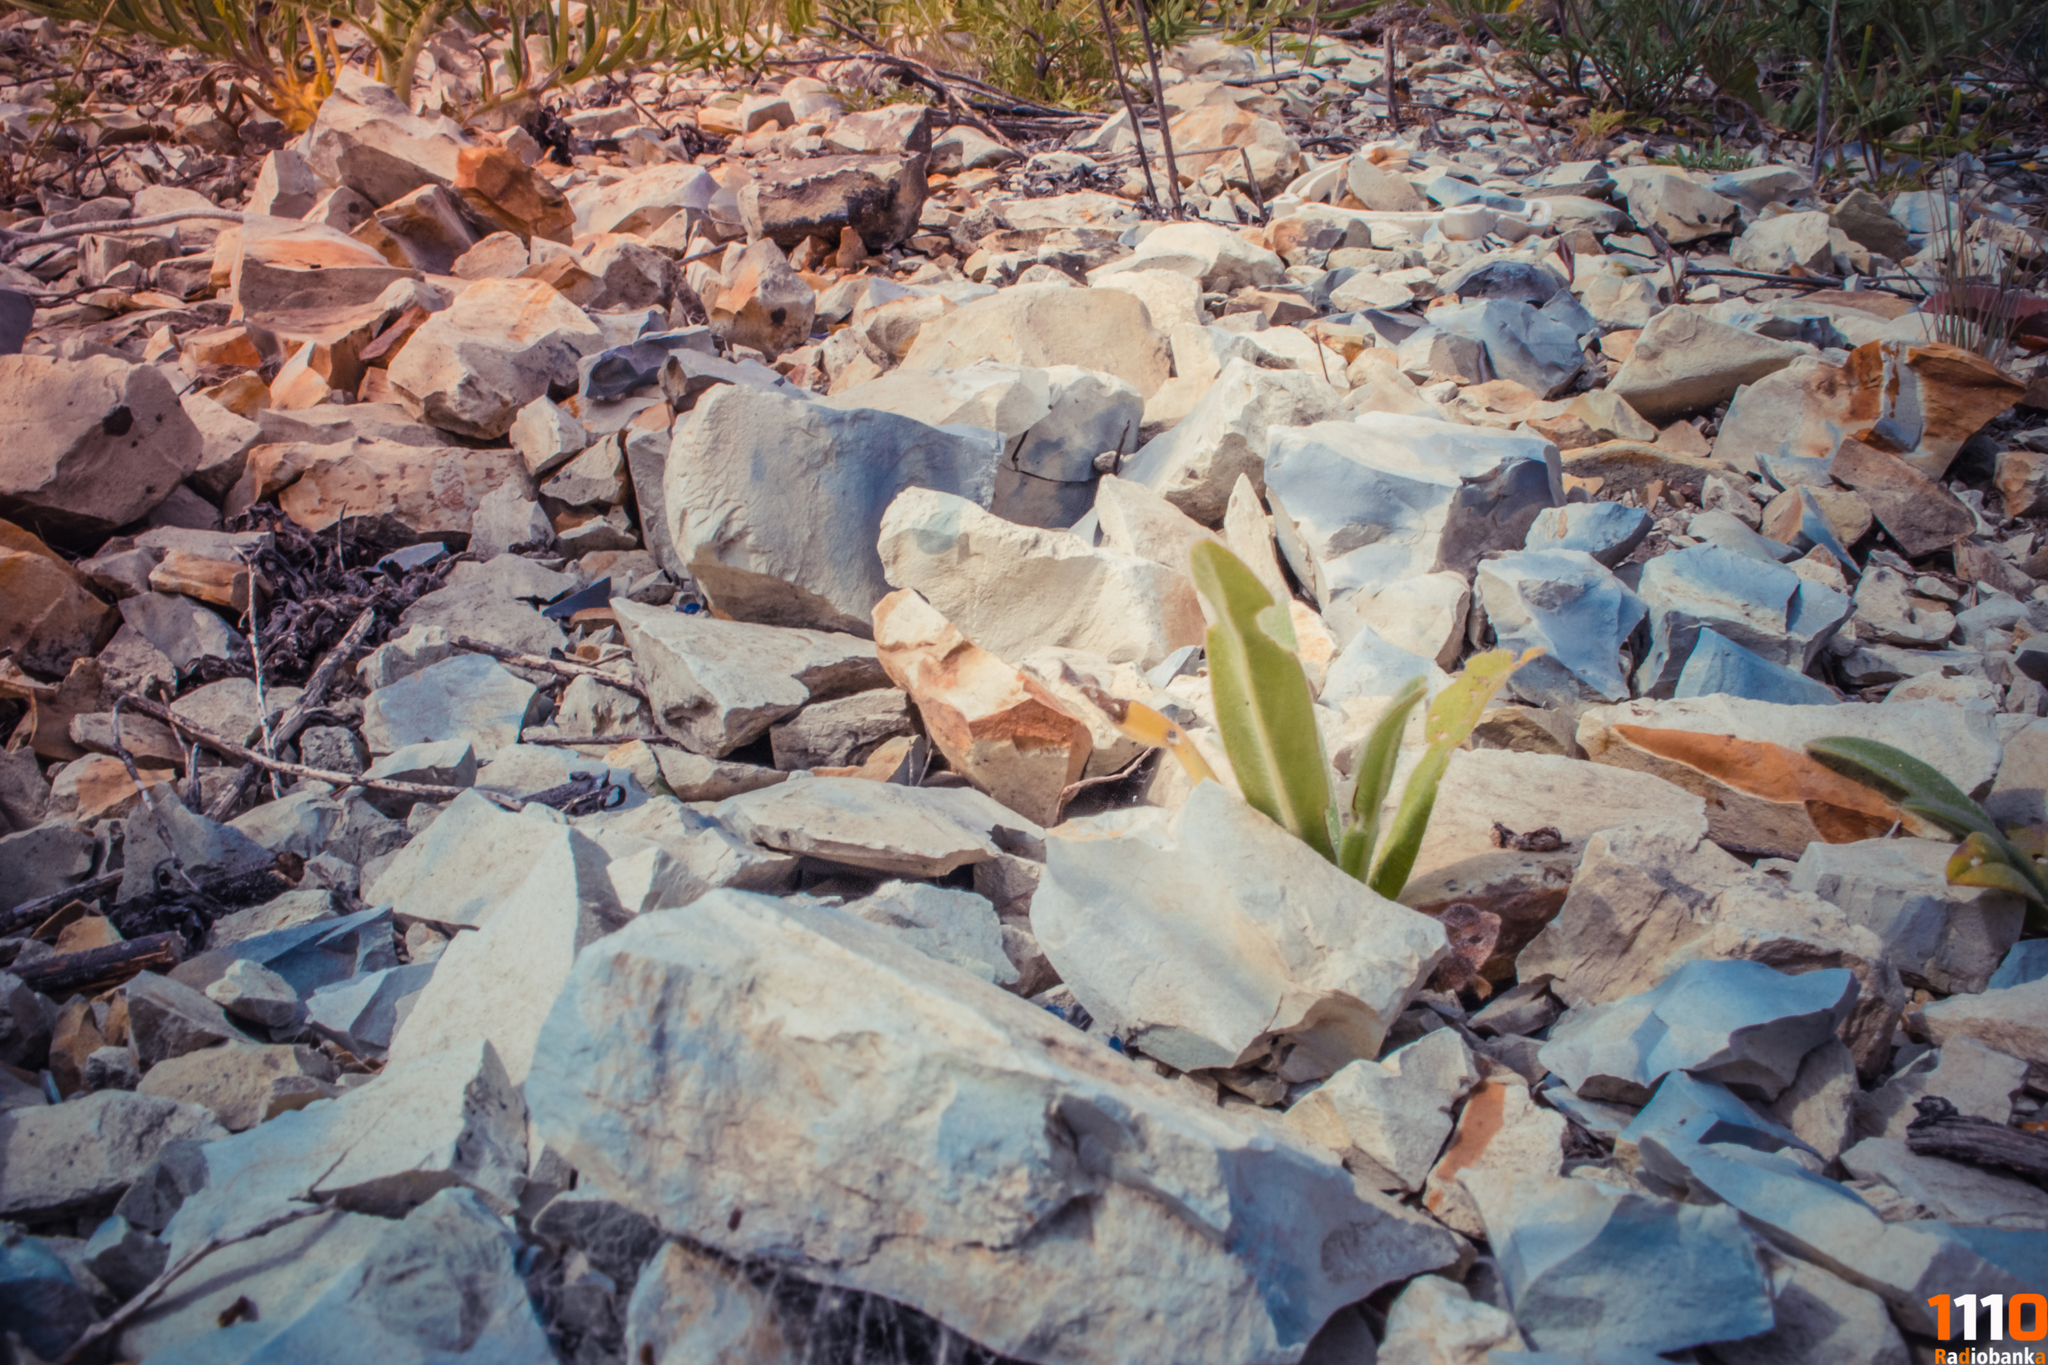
(560, 667)
(295, 717)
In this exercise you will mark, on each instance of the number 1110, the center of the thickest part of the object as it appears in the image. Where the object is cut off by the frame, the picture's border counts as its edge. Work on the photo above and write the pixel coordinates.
(2029, 1316)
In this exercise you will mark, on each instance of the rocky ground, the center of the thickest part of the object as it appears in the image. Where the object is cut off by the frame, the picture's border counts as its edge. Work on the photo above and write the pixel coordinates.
(553, 807)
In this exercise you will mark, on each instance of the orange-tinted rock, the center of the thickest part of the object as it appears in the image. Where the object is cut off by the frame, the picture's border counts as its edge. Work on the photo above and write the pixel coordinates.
(48, 616)
(999, 729)
(507, 191)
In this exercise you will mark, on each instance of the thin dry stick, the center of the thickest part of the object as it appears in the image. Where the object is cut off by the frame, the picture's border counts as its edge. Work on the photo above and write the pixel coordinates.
(1159, 102)
(1393, 95)
(1252, 179)
(560, 667)
(1130, 106)
(221, 744)
(10, 243)
(256, 662)
(294, 719)
(1820, 113)
(599, 741)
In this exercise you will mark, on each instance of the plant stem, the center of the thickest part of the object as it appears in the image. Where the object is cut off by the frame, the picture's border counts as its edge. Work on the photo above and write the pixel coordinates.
(1159, 101)
(1827, 73)
(1130, 106)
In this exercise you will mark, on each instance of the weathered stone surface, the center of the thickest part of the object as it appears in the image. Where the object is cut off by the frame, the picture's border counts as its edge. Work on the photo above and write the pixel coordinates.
(1362, 505)
(1647, 899)
(48, 614)
(980, 1252)
(383, 1147)
(1769, 610)
(1011, 588)
(877, 198)
(718, 685)
(2013, 1020)
(901, 831)
(999, 728)
(1979, 1082)
(91, 444)
(1696, 1273)
(366, 139)
(1947, 1189)
(1044, 324)
(75, 1159)
(1387, 1120)
(1962, 743)
(1564, 603)
(766, 305)
(1195, 465)
(243, 1084)
(1741, 1024)
(427, 492)
(958, 927)
(1605, 530)
(1501, 1129)
(503, 343)
(689, 1307)
(494, 985)
(1680, 208)
(1122, 890)
(1821, 1319)
(1685, 363)
(773, 504)
(1948, 938)
(469, 697)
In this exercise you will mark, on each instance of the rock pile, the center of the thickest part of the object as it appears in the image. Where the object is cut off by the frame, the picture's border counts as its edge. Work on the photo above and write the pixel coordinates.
(701, 914)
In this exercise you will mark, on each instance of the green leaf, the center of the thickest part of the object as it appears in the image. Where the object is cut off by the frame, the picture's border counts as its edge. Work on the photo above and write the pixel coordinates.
(1263, 707)
(1450, 719)
(1916, 786)
(1375, 778)
(1980, 862)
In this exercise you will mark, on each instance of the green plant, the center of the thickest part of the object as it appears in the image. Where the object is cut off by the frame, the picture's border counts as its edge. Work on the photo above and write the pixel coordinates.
(1714, 158)
(2007, 859)
(1266, 717)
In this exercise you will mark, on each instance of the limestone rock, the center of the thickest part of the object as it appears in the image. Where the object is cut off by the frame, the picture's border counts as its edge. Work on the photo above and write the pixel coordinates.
(1741, 1024)
(48, 614)
(92, 444)
(1388, 1119)
(1685, 363)
(1360, 506)
(975, 1251)
(1696, 1270)
(1501, 1130)
(1043, 324)
(719, 685)
(900, 831)
(499, 346)
(773, 504)
(997, 727)
(1948, 938)
(766, 305)
(1195, 465)
(1126, 896)
(1011, 588)
(366, 139)
(470, 696)
(75, 1159)
(877, 198)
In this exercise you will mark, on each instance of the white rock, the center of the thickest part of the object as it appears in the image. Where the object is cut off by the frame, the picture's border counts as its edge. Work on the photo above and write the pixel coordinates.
(773, 503)
(1049, 324)
(953, 926)
(1388, 1120)
(903, 831)
(495, 985)
(717, 685)
(1501, 1131)
(1159, 927)
(503, 343)
(470, 697)
(795, 1009)
(1013, 588)
(1220, 259)
(1195, 465)
(1437, 1322)
(1979, 1082)
(384, 1147)
(1949, 938)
